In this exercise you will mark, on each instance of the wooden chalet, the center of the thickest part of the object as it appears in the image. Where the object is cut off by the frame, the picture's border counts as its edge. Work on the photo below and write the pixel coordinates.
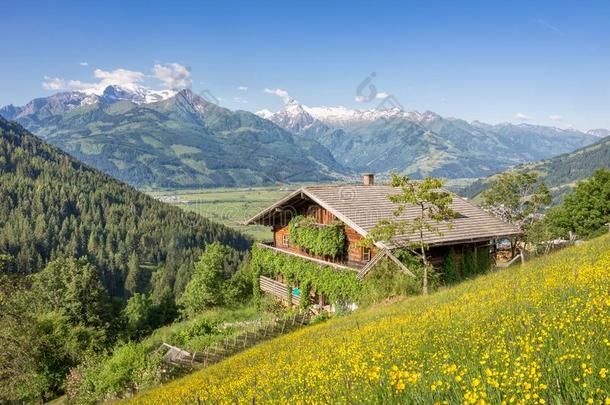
(360, 207)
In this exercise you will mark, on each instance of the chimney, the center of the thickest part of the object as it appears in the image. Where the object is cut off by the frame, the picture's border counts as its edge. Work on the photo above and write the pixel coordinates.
(368, 179)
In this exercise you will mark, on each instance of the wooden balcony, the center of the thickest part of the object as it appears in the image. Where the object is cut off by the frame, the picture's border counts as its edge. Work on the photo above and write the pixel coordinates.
(347, 265)
(277, 289)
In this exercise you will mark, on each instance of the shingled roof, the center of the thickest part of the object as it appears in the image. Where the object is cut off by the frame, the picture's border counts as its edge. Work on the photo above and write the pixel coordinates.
(363, 206)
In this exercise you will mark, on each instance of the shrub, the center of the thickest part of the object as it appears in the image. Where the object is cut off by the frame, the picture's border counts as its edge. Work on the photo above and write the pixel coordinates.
(205, 288)
(320, 240)
(484, 261)
(450, 272)
(128, 369)
(469, 265)
(138, 314)
(387, 280)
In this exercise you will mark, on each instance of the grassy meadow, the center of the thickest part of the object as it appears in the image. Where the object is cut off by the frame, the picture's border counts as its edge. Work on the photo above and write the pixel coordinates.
(538, 333)
(229, 206)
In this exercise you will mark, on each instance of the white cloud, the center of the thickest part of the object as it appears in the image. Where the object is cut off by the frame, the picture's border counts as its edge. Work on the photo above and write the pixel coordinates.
(128, 79)
(240, 100)
(521, 117)
(53, 83)
(242, 88)
(173, 75)
(555, 117)
(283, 94)
(378, 95)
(121, 77)
(382, 94)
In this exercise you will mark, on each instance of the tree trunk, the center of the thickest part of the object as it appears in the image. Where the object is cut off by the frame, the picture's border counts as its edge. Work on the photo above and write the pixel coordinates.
(425, 260)
(423, 251)
(425, 284)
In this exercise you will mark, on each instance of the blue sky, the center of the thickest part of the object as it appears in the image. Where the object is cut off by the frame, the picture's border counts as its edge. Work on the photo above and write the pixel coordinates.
(537, 62)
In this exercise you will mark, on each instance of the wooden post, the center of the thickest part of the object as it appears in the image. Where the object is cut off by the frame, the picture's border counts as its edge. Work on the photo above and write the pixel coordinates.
(522, 256)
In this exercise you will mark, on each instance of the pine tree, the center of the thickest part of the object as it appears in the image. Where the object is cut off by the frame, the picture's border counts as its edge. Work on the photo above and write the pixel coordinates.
(132, 280)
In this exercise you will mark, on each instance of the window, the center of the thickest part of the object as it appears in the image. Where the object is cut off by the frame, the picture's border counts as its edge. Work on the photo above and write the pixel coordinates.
(285, 240)
(366, 254)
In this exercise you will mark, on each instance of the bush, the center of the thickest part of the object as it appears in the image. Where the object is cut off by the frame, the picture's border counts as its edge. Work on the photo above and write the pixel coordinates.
(320, 240)
(138, 315)
(206, 286)
(387, 280)
(469, 265)
(484, 261)
(450, 272)
(238, 289)
(128, 369)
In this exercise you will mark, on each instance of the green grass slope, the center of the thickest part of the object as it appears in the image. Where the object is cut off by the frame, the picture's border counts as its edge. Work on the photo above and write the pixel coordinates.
(531, 334)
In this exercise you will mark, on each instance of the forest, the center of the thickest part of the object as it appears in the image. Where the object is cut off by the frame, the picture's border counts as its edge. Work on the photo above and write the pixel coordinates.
(52, 205)
(85, 261)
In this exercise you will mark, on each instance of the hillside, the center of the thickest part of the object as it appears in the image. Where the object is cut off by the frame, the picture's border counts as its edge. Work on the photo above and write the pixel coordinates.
(420, 144)
(559, 173)
(177, 141)
(52, 205)
(531, 334)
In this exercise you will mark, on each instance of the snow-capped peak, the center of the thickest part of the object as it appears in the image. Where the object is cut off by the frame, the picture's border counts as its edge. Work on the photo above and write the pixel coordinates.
(297, 117)
(69, 100)
(292, 117)
(136, 94)
(265, 113)
(600, 132)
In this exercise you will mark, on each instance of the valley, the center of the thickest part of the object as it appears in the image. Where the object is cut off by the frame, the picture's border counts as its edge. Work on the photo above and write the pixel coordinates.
(560, 173)
(228, 206)
(339, 202)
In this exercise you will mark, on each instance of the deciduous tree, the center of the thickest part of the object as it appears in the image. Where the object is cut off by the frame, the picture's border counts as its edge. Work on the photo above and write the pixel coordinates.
(429, 207)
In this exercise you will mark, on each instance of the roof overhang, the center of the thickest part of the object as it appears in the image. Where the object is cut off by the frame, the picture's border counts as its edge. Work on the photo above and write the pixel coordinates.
(382, 245)
(311, 196)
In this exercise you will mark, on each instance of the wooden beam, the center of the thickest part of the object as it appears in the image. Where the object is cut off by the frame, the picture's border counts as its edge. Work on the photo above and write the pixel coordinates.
(371, 264)
(400, 264)
(378, 257)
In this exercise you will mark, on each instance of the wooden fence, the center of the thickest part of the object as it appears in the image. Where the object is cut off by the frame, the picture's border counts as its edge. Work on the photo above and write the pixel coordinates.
(178, 357)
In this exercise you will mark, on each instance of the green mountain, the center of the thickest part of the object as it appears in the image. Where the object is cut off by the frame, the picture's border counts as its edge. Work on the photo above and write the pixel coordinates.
(181, 141)
(52, 205)
(418, 144)
(559, 173)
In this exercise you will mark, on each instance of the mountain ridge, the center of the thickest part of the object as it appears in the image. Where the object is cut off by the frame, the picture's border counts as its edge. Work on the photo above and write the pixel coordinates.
(180, 141)
(422, 144)
(559, 173)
